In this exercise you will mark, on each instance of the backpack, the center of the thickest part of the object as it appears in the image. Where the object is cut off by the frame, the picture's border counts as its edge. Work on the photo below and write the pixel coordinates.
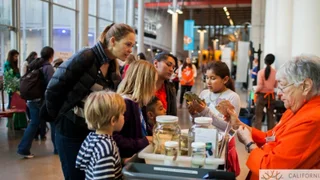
(32, 84)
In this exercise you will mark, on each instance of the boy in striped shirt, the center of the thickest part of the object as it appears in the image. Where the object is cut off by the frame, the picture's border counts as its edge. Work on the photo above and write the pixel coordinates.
(99, 155)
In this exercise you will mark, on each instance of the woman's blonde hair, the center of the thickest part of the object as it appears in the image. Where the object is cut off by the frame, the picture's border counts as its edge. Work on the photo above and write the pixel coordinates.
(101, 107)
(139, 82)
(118, 31)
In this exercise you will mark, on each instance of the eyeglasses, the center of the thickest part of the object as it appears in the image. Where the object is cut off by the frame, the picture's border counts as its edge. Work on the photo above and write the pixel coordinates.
(284, 87)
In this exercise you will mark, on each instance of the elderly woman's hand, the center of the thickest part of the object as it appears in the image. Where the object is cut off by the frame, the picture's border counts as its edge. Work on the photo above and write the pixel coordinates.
(244, 135)
(232, 117)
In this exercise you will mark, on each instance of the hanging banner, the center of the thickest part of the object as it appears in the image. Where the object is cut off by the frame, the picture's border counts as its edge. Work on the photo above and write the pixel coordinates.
(188, 38)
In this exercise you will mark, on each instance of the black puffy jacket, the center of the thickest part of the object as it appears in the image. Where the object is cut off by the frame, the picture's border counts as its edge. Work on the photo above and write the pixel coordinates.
(72, 81)
(171, 98)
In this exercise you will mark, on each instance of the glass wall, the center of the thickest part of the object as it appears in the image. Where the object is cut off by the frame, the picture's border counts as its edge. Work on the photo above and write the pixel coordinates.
(120, 11)
(64, 31)
(92, 31)
(5, 37)
(106, 9)
(33, 27)
(53, 23)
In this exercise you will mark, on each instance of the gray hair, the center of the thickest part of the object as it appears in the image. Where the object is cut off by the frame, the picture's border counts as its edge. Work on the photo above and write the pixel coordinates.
(300, 68)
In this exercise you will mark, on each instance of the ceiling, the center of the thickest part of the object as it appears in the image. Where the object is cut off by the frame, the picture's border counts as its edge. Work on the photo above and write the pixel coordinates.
(209, 12)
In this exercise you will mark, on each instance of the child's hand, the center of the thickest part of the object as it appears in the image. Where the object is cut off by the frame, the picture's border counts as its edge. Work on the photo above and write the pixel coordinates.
(149, 139)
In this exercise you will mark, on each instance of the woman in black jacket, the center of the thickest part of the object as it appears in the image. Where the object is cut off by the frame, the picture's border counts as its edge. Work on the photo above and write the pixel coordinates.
(91, 69)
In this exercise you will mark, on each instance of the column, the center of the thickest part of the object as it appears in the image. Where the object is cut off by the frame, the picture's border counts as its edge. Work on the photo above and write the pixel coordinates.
(258, 8)
(130, 15)
(269, 30)
(174, 29)
(201, 44)
(306, 27)
(140, 26)
(84, 23)
(283, 38)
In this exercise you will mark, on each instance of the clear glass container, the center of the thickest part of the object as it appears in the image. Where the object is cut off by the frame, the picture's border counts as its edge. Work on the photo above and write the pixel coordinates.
(203, 131)
(198, 154)
(171, 153)
(166, 129)
(184, 149)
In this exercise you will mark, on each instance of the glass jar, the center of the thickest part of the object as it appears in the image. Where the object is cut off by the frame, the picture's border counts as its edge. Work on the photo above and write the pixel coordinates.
(166, 129)
(184, 149)
(171, 153)
(203, 131)
(198, 154)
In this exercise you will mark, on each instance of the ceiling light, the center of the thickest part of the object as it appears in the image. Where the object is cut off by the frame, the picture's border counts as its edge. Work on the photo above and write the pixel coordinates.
(231, 22)
(227, 13)
(225, 9)
(204, 30)
(179, 11)
(148, 49)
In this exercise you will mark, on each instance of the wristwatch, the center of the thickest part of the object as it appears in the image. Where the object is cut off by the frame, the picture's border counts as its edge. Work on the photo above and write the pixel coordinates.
(248, 146)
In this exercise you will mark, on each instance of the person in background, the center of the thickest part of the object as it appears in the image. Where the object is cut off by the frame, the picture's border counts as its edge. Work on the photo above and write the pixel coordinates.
(294, 142)
(99, 155)
(220, 87)
(265, 93)
(24, 147)
(12, 65)
(187, 76)
(141, 56)
(165, 64)
(90, 69)
(137, 88)
(32, 56)
(130, 59)
(56, 63)
(154, 108)
(254, 72)
(175, 76)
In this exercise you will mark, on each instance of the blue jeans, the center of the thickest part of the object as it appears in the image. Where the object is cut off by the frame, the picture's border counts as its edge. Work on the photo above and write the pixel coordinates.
(26, 141)
(68, 149)
(53, 137)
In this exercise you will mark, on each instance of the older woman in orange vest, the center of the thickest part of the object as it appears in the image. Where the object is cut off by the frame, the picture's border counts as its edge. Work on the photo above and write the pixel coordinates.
(294, 142)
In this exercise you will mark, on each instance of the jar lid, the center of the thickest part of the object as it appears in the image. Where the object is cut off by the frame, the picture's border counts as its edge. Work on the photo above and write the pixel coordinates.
(171, 144)
(198, 145)
(203, 120)
(167, 119)
(184, 132)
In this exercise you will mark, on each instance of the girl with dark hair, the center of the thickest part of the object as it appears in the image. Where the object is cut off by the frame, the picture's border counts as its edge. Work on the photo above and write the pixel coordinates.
(187, 75)
(265, 93)
(220, 87)
(12, 65)
(32, 56)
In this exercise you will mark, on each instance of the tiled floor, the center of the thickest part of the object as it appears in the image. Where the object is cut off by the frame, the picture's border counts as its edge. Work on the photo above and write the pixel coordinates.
(46, 165)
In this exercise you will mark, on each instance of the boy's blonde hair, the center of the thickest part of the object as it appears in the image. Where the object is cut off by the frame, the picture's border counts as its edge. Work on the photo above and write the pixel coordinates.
(101, 107)
(139, 82)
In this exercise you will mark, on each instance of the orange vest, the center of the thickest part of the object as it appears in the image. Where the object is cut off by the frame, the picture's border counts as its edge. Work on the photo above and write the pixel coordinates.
(187, 76)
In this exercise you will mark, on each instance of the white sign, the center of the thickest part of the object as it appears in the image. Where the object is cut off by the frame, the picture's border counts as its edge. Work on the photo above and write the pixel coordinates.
(226, 57)
(289, 174)
(242, 61)
(63, 55)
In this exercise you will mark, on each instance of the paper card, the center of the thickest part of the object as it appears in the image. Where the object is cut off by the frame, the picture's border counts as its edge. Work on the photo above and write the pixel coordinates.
(207, 135)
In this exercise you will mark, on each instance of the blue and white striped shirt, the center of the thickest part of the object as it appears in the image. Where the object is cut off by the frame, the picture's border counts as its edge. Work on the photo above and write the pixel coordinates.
(99, 157)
